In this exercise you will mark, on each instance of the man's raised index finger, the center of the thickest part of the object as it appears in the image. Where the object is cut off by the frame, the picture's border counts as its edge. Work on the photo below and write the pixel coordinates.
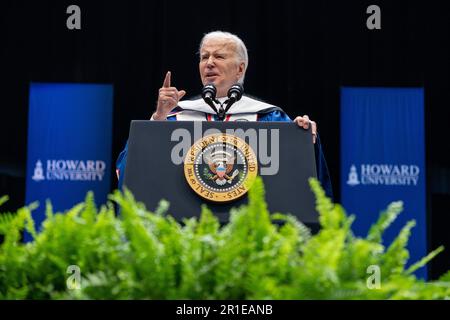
(166, 83)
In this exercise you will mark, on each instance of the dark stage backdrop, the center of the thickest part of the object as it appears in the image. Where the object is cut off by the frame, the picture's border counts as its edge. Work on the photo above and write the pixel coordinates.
(301, 53)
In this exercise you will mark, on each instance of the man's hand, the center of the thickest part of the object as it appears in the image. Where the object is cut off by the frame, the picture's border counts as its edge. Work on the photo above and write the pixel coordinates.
(304, 123)
(168, 99)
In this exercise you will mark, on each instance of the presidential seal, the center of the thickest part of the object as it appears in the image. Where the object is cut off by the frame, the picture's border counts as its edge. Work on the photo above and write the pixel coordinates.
(220, 167)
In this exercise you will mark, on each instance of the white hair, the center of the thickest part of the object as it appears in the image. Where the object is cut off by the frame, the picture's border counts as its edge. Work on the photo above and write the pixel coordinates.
(241, 49)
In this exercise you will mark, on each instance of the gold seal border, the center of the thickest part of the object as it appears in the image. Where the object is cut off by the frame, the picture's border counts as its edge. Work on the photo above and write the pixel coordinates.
(226, 196)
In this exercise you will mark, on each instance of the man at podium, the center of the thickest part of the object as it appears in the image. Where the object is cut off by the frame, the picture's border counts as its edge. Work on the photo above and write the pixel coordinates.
(223, 63)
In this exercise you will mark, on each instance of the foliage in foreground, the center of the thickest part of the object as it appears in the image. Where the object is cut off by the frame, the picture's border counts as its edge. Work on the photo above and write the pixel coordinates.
(145, 255)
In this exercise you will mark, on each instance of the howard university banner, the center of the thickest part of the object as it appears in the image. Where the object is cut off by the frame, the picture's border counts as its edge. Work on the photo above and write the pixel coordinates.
(383, 160)
(69, 144)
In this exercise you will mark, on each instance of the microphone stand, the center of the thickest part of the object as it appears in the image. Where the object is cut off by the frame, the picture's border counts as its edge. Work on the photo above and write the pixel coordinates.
(234, 94)
(209, 96)
(221, 112)
(210, 102)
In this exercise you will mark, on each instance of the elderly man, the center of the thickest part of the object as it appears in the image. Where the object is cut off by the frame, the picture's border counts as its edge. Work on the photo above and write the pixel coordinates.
(223, 62)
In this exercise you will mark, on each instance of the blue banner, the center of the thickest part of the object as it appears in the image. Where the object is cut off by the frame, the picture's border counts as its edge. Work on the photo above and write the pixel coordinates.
(69, 144)
(383, 160)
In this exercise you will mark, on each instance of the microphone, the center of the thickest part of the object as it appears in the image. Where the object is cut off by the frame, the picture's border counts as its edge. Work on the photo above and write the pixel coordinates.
(235, 93)
(209, 92)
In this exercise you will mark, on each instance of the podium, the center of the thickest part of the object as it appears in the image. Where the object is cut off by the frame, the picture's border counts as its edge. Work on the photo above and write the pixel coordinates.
(184, 162)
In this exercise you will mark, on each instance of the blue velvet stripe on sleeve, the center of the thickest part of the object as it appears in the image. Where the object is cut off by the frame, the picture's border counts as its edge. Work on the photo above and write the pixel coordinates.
(121, 164)
(274, 116)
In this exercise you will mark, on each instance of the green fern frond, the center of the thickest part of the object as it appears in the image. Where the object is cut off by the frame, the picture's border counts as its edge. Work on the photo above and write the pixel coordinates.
(323, 204)
(48, 209)
(208, 224)
(6, 219)
(3, 199)
(90, 209)
(137, 254)
(303, 232)
(397, 255)
(257, 205)
(424, 260)
(163, 207)
(384, 221)
(331, 216)
(445, 277)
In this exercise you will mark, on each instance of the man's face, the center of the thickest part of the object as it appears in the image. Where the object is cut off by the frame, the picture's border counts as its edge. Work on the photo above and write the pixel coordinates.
(219, 65)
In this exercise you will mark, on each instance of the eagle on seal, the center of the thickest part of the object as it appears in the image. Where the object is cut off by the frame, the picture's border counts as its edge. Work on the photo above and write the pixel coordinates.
(221, 164)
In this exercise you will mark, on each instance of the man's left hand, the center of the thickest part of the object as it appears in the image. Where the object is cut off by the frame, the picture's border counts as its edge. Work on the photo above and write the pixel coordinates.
(304, 122)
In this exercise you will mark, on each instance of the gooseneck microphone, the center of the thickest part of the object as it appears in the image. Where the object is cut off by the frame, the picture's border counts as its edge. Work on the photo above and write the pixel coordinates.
(234, 94)
(209, 92)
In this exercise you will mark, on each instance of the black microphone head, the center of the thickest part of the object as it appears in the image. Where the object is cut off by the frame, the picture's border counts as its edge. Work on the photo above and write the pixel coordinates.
(236, 91)
(209, 91)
